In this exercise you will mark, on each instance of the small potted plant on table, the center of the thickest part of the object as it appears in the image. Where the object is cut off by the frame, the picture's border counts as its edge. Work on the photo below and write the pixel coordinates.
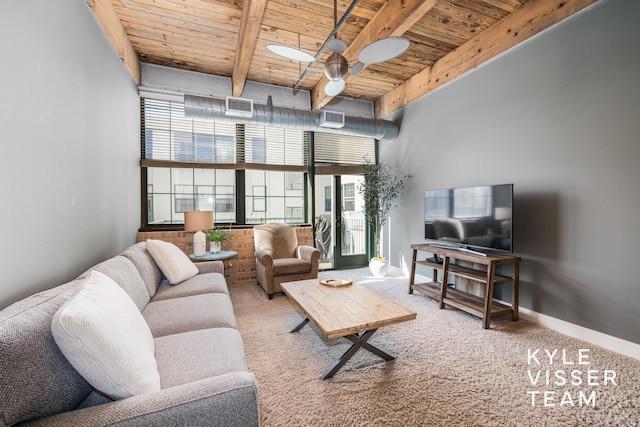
(381, 188)
(216, 237)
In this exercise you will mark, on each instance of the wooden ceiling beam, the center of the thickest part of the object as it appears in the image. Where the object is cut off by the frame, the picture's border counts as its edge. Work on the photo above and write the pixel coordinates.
(252, 13)
(108, 19)
(392, 20)
(522, 24)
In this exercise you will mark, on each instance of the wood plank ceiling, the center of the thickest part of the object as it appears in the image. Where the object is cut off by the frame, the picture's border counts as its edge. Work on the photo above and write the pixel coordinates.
(229, 38)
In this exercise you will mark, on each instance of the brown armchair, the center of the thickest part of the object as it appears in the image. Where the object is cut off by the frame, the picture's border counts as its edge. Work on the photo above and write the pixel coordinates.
(279, 258)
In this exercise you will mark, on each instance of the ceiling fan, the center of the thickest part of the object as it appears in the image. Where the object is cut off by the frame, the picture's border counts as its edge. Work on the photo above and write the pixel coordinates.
(336, 66)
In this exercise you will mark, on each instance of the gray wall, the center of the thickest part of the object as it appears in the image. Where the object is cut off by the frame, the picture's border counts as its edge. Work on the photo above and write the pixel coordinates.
(69, 132)
(558, 116)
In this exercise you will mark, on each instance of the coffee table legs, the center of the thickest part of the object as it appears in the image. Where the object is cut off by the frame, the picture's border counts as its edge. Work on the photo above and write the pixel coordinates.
(300, 325)
(359, 341)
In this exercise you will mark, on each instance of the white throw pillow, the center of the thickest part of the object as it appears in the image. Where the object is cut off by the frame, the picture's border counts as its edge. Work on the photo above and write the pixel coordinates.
(174, 264)
(103, 335)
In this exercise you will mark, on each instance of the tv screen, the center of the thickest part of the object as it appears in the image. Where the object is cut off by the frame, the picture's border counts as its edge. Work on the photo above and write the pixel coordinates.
(478, 217)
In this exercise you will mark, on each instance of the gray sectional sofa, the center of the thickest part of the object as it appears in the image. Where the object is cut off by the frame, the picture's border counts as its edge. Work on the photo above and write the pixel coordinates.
(202, 376)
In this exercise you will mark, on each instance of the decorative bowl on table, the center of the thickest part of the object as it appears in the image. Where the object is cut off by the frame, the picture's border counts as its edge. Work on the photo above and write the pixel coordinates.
(335, 281)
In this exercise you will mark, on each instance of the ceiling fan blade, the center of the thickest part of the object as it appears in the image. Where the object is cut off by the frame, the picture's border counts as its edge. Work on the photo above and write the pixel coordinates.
(336, 45)
(334, 87)
(290, 53)
(356, 68)
(383, 50)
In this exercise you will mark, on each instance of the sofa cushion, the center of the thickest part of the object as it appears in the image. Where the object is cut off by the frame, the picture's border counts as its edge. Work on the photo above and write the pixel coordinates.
(104, 337)
(176, 315)
(146, 266)
(285, 266)
(29, 359)
(122, 271)
(197, 285)
(174, 264)
(203, 353)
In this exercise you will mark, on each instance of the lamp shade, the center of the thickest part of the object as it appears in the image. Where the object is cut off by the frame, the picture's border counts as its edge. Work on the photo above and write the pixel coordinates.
(198, 220)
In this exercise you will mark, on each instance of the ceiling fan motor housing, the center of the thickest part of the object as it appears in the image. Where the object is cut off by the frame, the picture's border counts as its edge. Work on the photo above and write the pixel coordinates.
(336, 67)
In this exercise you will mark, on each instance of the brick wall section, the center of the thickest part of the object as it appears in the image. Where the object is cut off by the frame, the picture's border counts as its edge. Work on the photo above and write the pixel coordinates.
(239, 269)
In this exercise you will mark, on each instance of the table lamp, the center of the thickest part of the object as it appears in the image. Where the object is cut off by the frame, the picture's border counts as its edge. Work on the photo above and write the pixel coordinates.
(198, 221)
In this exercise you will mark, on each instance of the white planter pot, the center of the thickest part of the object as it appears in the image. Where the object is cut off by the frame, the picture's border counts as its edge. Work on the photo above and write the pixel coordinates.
(379, 267)
(214, 247)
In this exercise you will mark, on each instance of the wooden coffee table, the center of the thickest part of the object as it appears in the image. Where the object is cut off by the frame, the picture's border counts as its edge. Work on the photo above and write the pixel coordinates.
(353, 312)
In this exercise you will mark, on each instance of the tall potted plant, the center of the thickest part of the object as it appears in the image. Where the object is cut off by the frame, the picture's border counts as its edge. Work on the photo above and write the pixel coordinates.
(380, 189)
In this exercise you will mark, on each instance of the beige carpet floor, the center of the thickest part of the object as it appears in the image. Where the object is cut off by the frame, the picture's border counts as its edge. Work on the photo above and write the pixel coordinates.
(448, 371)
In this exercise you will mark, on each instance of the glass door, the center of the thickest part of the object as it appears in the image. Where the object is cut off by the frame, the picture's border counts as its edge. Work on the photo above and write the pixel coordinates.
(340, 223)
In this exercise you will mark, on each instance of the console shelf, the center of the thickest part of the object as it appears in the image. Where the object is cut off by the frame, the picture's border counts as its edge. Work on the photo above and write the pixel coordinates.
(485, 307)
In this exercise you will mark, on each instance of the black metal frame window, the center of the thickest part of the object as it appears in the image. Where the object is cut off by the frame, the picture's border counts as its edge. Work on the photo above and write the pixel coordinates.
(189, 164)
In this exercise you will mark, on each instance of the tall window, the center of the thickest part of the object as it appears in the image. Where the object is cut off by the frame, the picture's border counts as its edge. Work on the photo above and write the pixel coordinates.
(192, 164)
(274, 196)
(173, 191)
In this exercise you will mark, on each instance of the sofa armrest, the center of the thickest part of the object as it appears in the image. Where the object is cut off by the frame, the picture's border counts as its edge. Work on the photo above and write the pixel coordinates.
(210, 267)
(224, 400)
(264, 257)
(308, 253)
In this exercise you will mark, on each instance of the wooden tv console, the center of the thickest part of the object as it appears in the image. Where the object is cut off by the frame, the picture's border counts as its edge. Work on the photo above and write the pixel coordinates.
(484, 271)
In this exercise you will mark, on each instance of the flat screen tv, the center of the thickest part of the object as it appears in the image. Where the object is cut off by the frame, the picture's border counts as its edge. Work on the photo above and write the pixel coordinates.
(479, 217)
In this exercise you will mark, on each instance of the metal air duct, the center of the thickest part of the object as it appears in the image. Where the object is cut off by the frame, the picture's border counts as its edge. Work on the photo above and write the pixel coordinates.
(200, 107)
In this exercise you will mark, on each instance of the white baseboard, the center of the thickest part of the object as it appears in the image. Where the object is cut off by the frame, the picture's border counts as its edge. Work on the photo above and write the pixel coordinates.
(609, 342)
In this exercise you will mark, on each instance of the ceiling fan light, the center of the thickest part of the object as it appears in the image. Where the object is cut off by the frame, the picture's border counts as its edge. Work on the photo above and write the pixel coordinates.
(290, 53)
(334, 87)
(336, 67)
(383, 50)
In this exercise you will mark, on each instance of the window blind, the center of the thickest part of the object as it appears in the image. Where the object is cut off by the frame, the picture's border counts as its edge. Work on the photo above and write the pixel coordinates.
(336, 149)
(274, 146)
(169, 136)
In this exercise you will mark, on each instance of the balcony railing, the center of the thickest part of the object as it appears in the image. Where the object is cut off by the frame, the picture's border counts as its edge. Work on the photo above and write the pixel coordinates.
(353, 233)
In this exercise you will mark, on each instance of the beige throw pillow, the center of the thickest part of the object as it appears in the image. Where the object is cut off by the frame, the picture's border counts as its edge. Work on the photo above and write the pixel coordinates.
(174, 264)
(103, 335)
